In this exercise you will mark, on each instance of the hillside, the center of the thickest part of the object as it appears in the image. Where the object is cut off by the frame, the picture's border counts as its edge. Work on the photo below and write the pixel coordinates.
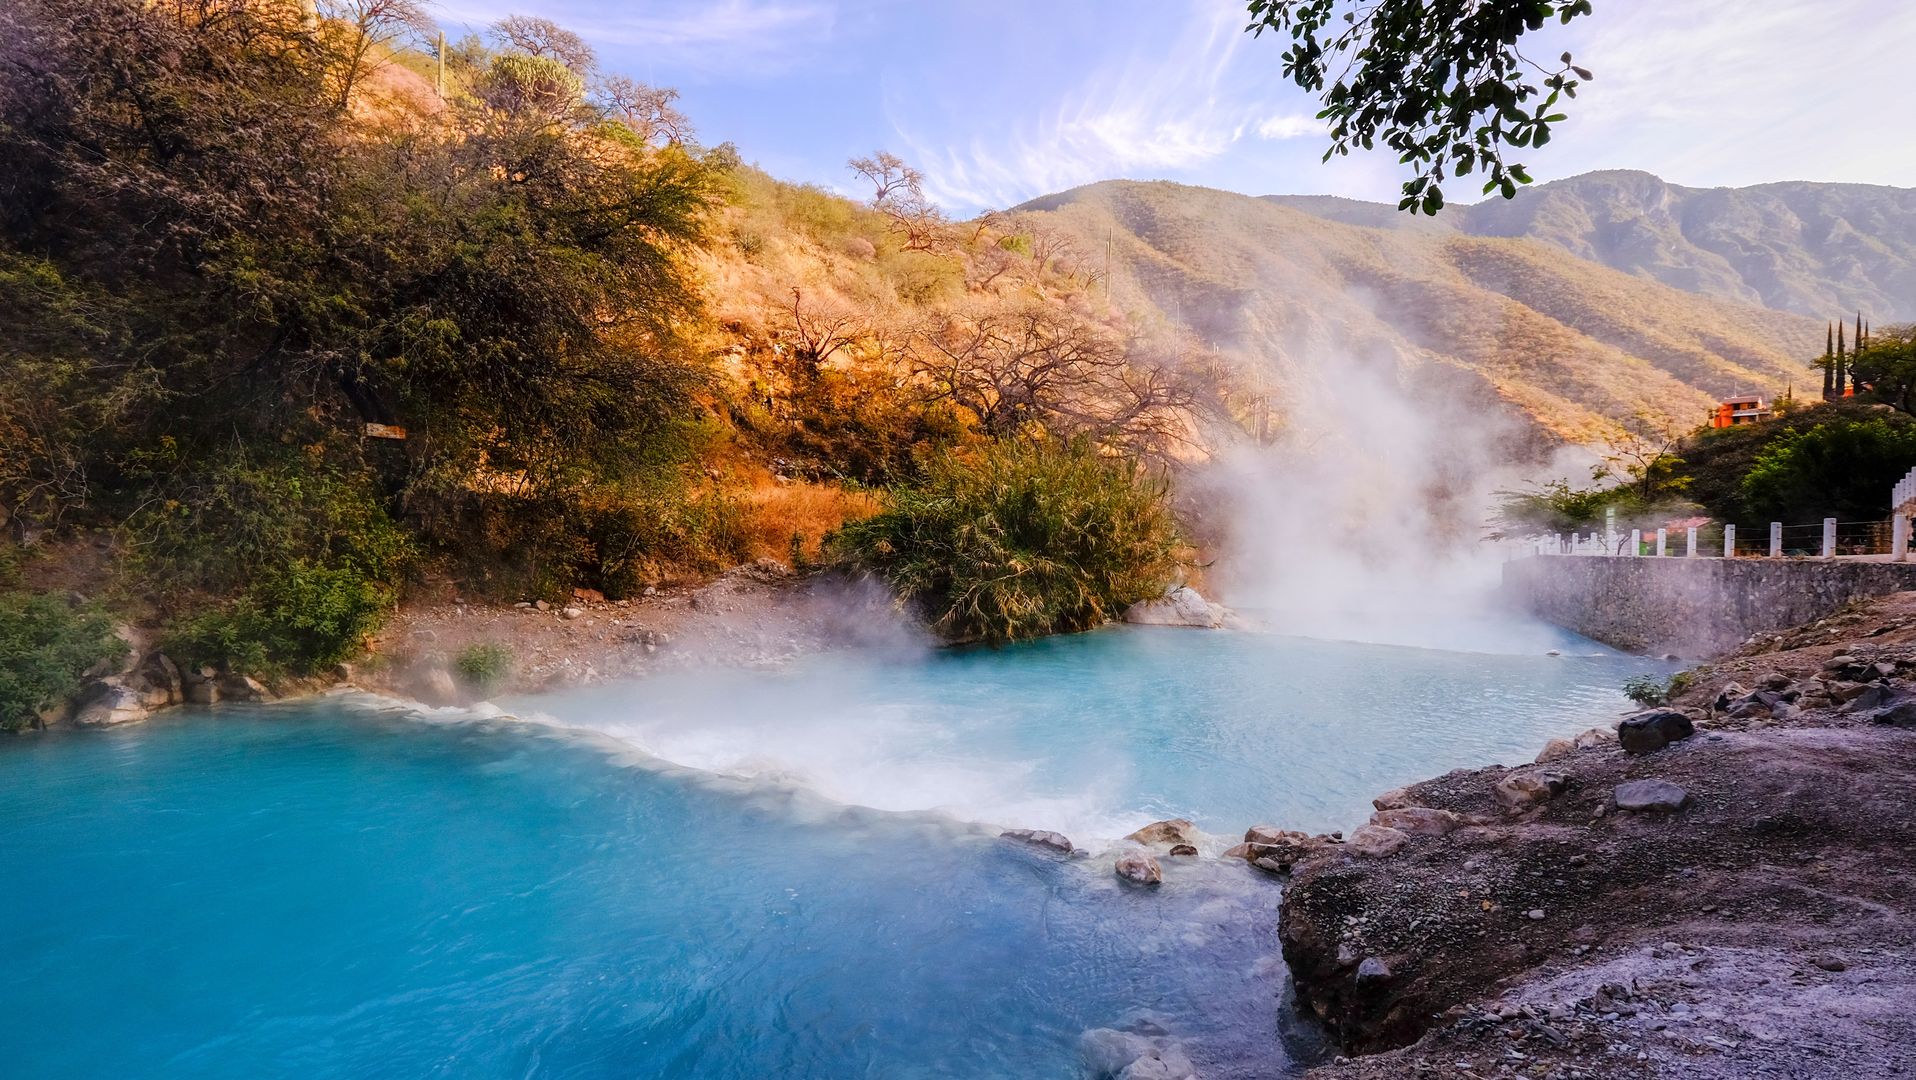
(1298, 299)
(1811, 248)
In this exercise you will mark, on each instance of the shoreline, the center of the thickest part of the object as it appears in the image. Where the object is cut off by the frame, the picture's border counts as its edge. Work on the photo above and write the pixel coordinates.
(1748, 913)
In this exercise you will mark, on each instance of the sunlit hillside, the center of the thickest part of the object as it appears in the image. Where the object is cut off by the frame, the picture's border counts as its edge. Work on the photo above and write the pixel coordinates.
(1297, 298)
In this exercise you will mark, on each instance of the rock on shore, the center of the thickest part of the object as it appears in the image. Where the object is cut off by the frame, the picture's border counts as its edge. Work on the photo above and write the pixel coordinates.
(1733, 901)
(1182, 606)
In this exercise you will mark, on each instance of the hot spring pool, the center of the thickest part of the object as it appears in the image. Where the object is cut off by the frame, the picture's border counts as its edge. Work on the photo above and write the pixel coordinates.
(725, 874)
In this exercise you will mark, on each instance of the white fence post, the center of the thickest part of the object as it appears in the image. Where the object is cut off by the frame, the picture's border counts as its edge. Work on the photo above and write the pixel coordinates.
(1636, 542)
(1776, 539)
(1899, 538)
(1729, 541)
(1663, 542)
(1829, 538)
(1609, 530)
(1689, 544)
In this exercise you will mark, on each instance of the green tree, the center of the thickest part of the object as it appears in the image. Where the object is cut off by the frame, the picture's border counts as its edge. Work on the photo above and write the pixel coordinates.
(1885, 370)
(46, 646)
(1021, 539)
(1443, 84)
(1843, 469)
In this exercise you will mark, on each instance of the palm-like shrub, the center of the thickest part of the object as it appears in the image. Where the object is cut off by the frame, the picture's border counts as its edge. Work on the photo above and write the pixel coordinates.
(1020, 539)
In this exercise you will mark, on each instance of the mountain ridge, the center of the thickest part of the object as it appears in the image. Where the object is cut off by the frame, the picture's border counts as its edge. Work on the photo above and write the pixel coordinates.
(1815, 248)
(1289, 295)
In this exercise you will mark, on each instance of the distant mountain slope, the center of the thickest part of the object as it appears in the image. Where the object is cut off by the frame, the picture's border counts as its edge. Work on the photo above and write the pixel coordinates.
(1815, 249)
(1300, 300)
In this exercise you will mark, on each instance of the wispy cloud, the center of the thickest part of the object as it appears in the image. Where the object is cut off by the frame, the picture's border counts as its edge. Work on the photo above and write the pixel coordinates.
(1158, 107)
(735, 37)
(1290, 126)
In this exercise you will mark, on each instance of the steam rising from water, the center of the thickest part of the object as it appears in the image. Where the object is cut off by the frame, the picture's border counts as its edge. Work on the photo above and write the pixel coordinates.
(1365, 522)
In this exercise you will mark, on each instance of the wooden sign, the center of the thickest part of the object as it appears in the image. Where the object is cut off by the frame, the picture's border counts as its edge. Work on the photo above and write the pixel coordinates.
(385, 431)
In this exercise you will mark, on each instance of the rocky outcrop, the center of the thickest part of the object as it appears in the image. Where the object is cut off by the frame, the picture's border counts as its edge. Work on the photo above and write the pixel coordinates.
(1182, 606)
(1688, 911)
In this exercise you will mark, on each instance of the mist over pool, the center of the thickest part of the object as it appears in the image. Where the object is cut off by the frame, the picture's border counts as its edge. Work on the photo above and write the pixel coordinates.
(724, 873)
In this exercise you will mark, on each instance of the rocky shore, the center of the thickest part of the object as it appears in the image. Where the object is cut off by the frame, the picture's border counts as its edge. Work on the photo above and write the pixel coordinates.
(1721, 887)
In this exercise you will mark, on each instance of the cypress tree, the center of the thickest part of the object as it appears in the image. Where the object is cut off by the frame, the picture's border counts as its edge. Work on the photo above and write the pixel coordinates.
(1842, 375)
(1829, 361)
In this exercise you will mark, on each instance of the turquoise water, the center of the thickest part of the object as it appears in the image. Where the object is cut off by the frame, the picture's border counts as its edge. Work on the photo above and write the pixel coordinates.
(329, 889)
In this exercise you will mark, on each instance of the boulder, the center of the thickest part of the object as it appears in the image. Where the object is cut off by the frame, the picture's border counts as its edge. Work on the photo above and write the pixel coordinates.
(1125, 1055)
(243, 688)
(1653, 730)
(110, 702)
(1555, 749)
(571, 613)
(1839, 662)
(435, 685)
(1595, 737)
(1416, 820)
(1774, 680)
(1140, 868)
(1650, 795)
(1900, 714)
(1394, 799)
(1371, 975)
(161, 674)
(1521, 791)
(1043, 838)
(202, 692)
(1236, 851)
(1271, 834)
(1173, 831)
(1183, 849)
(1182, 606)
(1871, 697)
(588, 596)
(1376, 841)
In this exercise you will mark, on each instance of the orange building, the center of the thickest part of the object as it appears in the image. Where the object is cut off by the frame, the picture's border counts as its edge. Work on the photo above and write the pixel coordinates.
(1741, 409)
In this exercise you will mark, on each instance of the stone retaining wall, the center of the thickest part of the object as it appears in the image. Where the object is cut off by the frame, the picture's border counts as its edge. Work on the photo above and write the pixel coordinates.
(1692, 607)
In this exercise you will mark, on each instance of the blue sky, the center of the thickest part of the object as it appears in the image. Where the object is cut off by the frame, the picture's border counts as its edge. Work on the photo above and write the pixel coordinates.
(999, 101)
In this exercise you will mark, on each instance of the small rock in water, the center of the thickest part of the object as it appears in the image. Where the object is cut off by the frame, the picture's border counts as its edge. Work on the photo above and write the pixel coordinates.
(1039, 838)
(1183, 849)
(1182, 606)
(1173, 831)
(1140, 868)
(1376, 841)
(1650, 795)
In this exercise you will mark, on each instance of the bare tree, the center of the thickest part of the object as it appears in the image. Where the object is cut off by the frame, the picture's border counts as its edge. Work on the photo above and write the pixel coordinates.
(535, 36)
(898, 192)
(370, 25)
(647, 110)
(1643, 454)
(1018, 364)
(821, 330)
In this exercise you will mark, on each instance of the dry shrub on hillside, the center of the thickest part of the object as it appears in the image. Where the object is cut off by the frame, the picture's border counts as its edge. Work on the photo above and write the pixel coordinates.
(789, 519)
